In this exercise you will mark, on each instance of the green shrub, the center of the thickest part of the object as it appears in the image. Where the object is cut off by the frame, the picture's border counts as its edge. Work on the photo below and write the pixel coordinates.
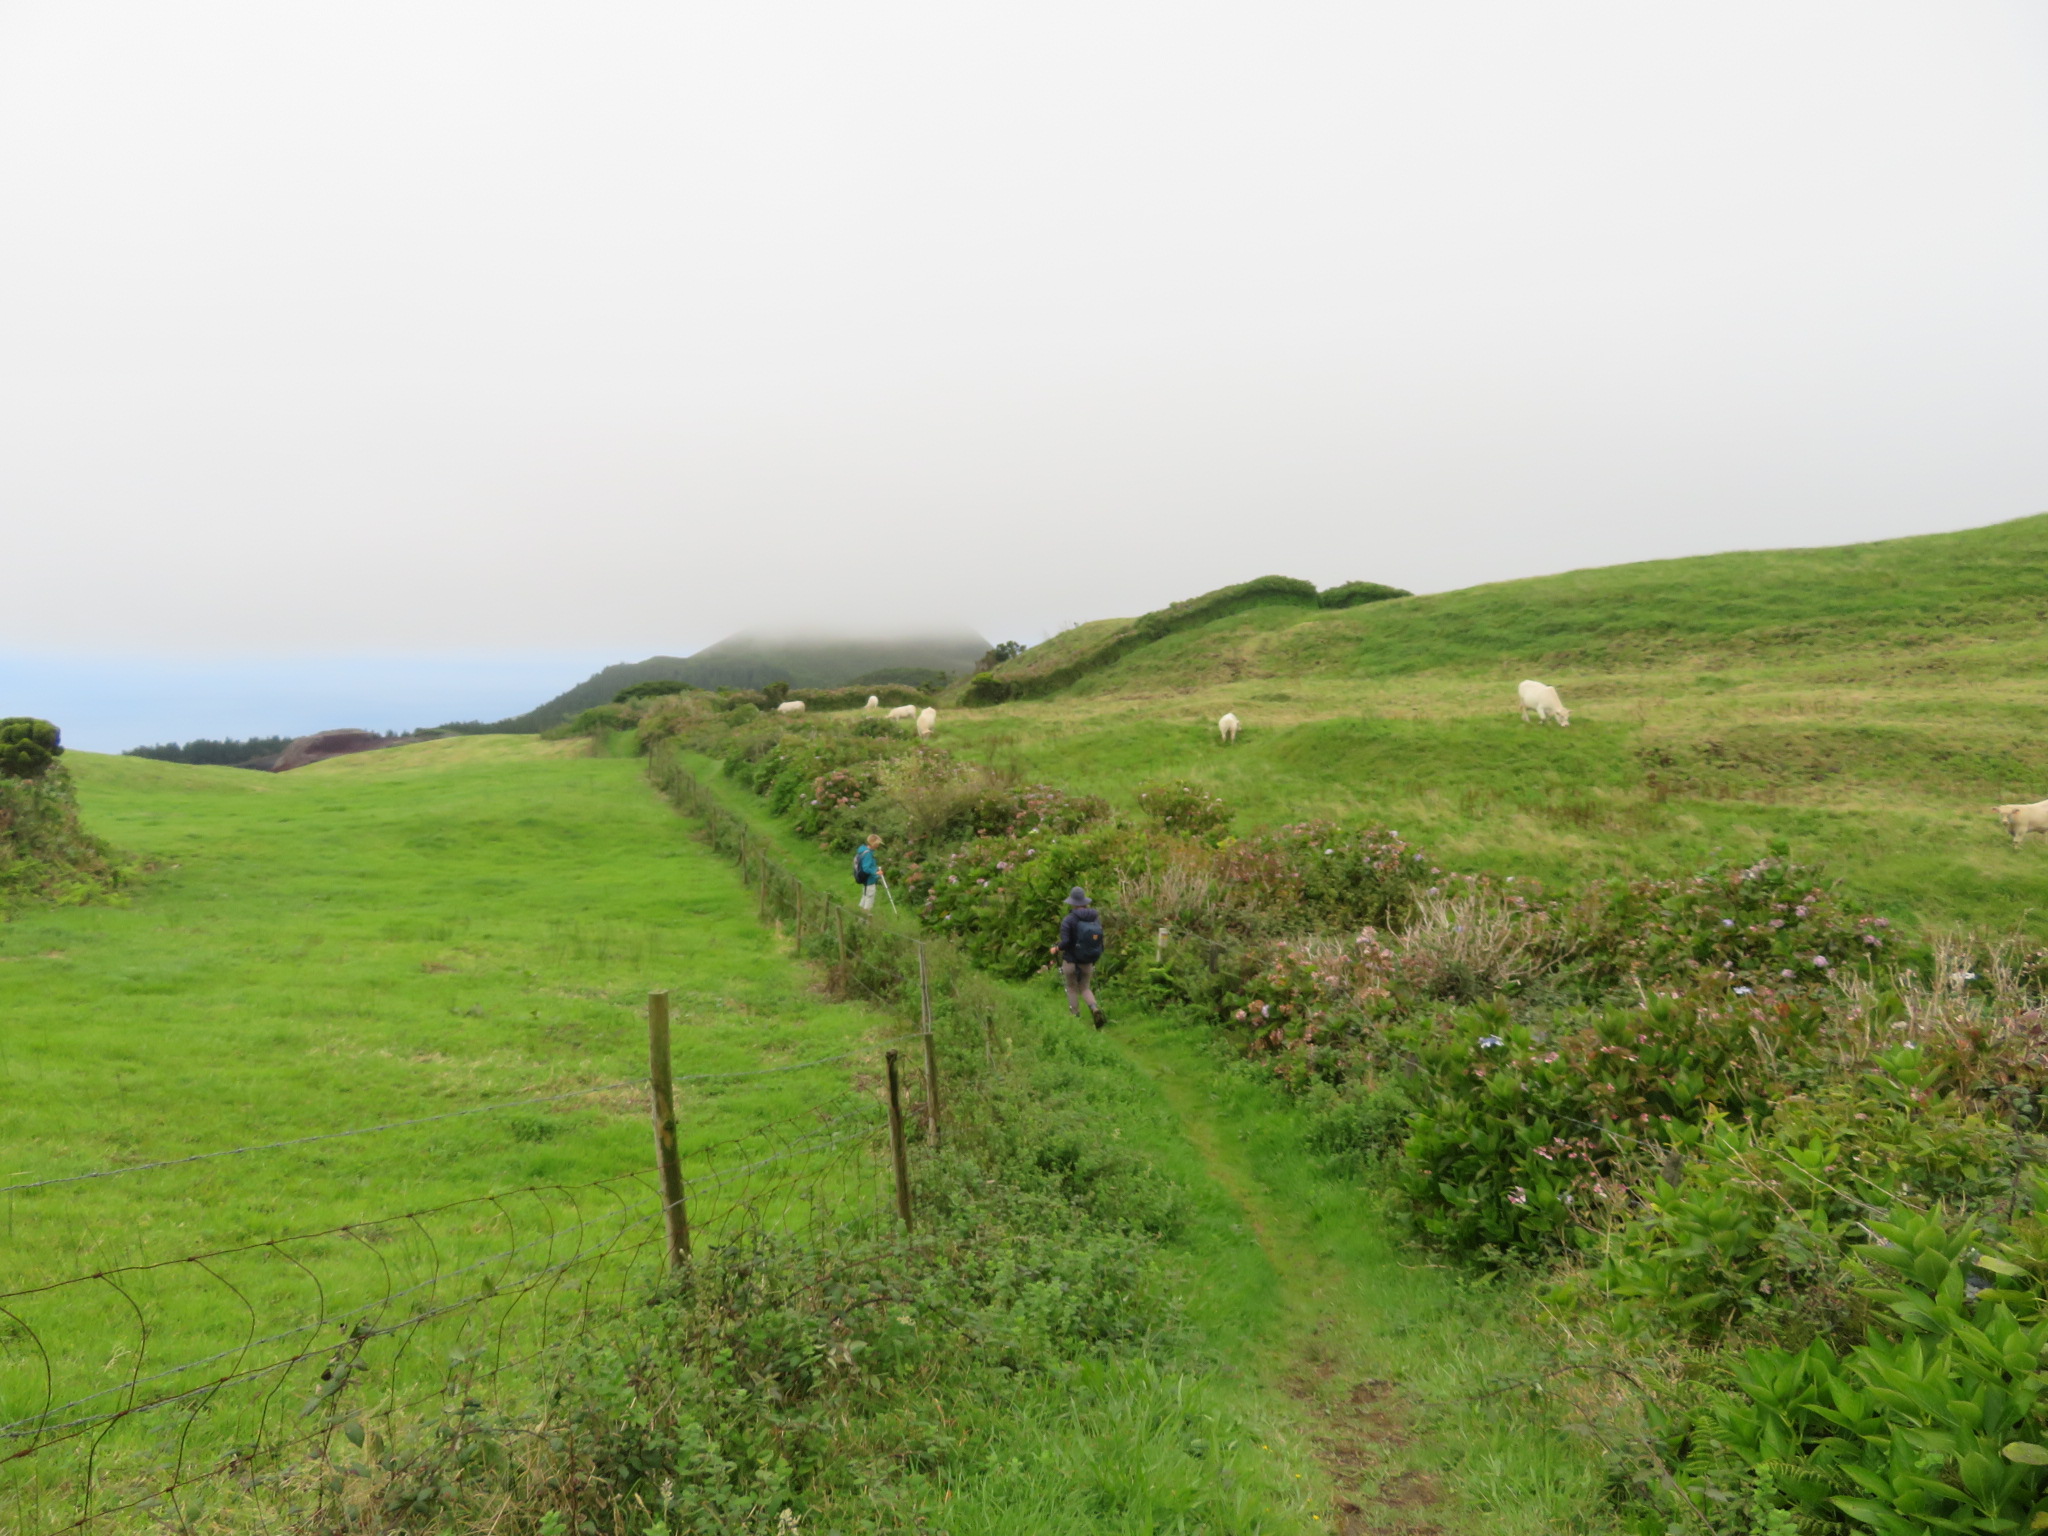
(1522, 1133)
(1352, 593)
(1772, 923)
(598, 721)
(46, 854)
(1321, 875)
(659, 688)
(1932, 1425)
(986, 687)
(1000, 898)
(1184, 810)
(1356, 1123)
(28, 747)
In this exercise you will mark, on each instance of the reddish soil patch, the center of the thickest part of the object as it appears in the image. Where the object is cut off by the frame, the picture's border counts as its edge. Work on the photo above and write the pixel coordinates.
(321, 745)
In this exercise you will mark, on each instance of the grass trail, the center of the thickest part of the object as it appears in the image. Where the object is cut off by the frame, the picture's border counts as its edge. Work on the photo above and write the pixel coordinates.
(1406, 1386)
(1407, 1383)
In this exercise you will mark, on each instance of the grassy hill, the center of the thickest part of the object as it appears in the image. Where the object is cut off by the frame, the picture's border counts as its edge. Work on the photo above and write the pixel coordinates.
(1866, 703)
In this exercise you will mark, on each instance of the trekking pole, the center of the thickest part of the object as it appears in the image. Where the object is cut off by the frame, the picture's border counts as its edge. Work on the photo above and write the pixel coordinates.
(885, 889)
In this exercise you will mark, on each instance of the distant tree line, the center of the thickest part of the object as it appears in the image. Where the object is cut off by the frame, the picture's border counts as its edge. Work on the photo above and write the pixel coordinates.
(214, 754)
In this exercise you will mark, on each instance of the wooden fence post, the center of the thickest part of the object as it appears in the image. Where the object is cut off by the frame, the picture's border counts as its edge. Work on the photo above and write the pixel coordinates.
(896, 1149)
(924, 992)
(931, 1057)
(662, 1084)
(839, 929)
(799, 918)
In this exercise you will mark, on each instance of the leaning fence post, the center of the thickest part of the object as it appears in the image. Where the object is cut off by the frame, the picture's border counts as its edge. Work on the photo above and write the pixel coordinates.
(896, 1149)
(931, 1056)
(839, 929)
(662, 1084)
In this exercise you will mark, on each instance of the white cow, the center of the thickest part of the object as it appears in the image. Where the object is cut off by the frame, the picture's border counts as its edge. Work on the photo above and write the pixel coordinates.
(928, 721)
(1543, 699)
(792, 707)
(1228, 727)
(903, 712)
(874, 702)
(2021, 819)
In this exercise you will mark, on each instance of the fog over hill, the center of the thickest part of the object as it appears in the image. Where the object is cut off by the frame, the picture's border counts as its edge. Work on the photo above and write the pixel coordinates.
(749, 660)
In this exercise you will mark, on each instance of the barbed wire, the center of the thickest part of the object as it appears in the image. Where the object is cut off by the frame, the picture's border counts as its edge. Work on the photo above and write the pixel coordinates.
(254, 1370)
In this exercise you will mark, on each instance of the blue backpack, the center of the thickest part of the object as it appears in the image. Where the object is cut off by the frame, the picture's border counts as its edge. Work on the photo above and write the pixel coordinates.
(1088, 940)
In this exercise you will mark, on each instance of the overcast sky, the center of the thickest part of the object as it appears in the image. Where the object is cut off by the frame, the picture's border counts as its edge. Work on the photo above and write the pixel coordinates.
(594, 330)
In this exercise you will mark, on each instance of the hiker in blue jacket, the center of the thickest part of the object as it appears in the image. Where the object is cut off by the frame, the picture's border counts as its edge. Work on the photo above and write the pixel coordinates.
(1079, 948)
(866, 871)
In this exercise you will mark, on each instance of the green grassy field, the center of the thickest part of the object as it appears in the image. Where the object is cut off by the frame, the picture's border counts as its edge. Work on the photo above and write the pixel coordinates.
(1867, 704)
(410, 934)
(372, 940)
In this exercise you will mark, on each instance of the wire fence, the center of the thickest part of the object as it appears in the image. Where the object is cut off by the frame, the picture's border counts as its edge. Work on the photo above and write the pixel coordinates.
(237, 1387)
(144, 1393)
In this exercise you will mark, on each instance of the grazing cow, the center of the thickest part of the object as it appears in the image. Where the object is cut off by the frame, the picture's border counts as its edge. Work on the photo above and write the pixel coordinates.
(792, 707)
(1227, 726)
(903, 712)
(874, 702)
(928, 721)
(1543, 699)
(2021, 819)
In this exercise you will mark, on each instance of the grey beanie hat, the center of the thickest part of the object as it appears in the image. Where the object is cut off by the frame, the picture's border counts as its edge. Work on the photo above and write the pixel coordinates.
(1077, 897)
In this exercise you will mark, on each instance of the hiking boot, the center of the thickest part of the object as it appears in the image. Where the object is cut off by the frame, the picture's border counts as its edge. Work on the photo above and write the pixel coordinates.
(1098, 1017)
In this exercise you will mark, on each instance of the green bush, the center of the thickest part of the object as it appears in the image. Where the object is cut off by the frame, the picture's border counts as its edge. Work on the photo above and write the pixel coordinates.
(46, 855)
(1184, 810)
(1932, 1425)
(659, 688)
(28, 747)
(1771, 923)
(597, 721)
(987, 687)
(1522, 1133)
(1353, 593)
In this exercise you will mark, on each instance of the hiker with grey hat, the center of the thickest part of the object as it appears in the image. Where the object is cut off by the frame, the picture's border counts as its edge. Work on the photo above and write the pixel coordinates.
(1079, 948)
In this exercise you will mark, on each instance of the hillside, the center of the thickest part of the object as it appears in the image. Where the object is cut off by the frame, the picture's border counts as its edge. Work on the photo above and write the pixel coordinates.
(1866, 703)
(1939, 591)
(1736, 1105)
(750, 661)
